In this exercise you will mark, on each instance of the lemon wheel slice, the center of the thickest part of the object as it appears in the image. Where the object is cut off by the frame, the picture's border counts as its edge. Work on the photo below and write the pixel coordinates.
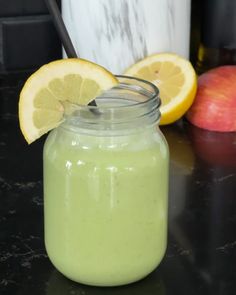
(41, 106)
(176, 79)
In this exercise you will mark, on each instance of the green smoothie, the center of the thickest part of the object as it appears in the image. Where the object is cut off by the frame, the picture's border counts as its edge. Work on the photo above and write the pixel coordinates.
(105, 204)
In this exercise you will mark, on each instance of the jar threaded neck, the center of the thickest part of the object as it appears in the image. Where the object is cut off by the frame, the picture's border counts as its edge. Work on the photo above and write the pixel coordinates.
(133, 102)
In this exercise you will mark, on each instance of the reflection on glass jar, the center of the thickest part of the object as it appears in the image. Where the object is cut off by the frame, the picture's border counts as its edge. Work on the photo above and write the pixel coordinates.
(105, 188)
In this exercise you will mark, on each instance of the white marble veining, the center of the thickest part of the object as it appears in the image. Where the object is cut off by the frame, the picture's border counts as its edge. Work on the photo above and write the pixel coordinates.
(117, 33)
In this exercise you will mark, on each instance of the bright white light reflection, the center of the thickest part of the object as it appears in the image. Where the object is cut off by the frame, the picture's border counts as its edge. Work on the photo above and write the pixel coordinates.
(112, 185)
(112, 168)
(80, 163)
(68, 164)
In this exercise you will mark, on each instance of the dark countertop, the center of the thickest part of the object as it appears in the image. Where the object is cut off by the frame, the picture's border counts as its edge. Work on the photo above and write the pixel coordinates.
(201, 254)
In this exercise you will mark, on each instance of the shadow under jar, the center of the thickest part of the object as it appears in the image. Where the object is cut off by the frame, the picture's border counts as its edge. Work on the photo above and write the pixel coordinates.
(106, 188)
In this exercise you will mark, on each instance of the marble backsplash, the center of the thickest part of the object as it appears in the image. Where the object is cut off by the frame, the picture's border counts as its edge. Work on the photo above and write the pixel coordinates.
(118, 33)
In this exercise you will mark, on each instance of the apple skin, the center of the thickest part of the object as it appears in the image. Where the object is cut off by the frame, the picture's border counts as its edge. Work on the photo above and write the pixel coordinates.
(214, 107)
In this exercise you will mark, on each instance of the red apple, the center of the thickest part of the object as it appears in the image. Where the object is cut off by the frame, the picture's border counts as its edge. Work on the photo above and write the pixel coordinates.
(214, 107)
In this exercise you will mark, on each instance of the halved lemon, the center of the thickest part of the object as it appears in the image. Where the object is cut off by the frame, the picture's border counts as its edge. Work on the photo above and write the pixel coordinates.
(41, 106)
(176, 79)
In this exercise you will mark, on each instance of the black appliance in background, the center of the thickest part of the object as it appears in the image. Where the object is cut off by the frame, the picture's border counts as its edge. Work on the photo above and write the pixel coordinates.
(217, 33)
(27, 36)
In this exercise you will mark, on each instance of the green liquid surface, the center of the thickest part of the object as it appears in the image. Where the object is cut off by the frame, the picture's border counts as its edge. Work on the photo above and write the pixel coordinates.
(105, 206)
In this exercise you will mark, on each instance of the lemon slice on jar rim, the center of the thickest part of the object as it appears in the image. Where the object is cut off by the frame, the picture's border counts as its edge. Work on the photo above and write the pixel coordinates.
(41, 106)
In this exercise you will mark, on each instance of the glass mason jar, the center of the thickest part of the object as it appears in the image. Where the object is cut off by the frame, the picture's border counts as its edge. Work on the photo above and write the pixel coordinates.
(106, 188)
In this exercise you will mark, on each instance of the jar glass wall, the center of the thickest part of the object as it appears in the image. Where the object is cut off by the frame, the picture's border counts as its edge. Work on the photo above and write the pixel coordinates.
(106, 188)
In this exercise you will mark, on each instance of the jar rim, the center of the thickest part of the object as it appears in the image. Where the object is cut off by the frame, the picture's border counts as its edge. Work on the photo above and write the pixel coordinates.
(133, 102)
(152, 95)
